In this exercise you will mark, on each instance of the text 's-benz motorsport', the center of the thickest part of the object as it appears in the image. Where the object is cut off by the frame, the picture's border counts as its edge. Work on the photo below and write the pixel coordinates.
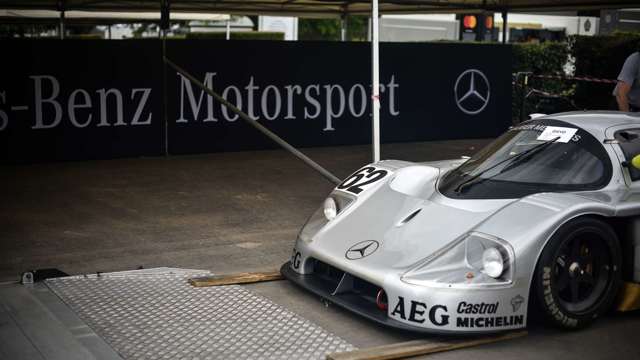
(542, 218)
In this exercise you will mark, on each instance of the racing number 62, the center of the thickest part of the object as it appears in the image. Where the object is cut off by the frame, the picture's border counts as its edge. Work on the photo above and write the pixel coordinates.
(365, 176)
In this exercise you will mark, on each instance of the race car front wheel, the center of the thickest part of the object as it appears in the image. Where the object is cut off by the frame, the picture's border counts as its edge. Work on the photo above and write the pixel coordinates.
(578, 275)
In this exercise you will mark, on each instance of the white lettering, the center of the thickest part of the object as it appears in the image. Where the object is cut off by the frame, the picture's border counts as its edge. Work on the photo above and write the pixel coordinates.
(250, 88)
(238, 104)
(264, 102)
(103, 107)
(332, 101)
(313, 101)
(290, 91)
(73, 105)
(143, 101)
(363, 100)
(392, 97)
(195, 105)
(330, 114)
(4, 119)
(39, 100)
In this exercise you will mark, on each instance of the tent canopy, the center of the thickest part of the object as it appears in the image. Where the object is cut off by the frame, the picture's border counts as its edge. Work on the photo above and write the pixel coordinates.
(101, 17)
(321, 8)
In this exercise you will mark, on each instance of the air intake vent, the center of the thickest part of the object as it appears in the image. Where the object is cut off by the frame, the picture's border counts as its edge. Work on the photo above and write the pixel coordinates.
(409, 218)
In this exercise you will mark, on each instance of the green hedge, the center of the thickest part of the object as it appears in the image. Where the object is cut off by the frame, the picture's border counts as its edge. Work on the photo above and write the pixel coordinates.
(85, 36)
(330, 29)
(543, 58)
(601, 57)
(238, 35)
(594, 56)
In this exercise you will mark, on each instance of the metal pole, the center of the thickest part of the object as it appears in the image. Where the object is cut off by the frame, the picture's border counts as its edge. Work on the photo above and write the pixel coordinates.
(329, 176)
(375, 84)
(228, 29)
(343, 27)
(164, 26)
(165, 95)
(61, 30)
(504, 27)
(523, 95)
(109, 31)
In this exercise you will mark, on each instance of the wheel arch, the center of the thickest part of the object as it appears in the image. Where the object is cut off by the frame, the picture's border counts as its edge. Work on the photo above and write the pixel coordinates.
(624, 229)
(544, 244)
(622, 226)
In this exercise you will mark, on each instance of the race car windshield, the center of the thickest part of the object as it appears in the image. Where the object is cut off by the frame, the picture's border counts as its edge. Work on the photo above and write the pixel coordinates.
(537, 156)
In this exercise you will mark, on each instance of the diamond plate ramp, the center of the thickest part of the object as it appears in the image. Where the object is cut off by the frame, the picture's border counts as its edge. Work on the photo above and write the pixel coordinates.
(156, 314)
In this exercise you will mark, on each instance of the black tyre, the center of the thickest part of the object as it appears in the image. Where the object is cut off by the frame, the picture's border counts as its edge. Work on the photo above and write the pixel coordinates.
(578, 275)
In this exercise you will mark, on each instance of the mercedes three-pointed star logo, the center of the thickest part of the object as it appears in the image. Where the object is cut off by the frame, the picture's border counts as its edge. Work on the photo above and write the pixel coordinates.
(472, 91)
(362, 249)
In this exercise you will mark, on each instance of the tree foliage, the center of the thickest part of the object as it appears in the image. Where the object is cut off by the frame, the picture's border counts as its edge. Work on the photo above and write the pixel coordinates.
(548, 58)
(22, 30)
(238, 35)
(329, 29)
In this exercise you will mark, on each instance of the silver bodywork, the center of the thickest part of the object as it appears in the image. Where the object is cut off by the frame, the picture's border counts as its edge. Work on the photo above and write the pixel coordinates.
(380, 212)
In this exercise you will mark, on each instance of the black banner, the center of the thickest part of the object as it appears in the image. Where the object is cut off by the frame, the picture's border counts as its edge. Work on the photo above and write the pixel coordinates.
(82, 99)
(68, 100)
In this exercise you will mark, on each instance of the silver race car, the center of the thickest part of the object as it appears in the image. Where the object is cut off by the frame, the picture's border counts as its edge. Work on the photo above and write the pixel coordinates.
(541, 221)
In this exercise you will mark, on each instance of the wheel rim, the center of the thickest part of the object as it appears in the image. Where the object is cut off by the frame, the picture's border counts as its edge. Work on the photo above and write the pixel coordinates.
(582, 271)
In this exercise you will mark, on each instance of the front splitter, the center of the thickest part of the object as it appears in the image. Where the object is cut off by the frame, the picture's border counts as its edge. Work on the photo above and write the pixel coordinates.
(355, 304)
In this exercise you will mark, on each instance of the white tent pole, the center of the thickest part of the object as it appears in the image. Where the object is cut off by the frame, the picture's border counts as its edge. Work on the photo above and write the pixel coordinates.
(229, 28)
(343, 27)
(375, 84)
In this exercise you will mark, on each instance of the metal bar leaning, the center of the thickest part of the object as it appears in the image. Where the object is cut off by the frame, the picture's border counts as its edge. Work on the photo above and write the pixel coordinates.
(324, 172)
(576, 78)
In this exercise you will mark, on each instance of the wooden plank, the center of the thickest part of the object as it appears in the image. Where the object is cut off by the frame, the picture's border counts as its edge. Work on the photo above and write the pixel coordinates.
(231, 279)
(629, 297)
(419, 347)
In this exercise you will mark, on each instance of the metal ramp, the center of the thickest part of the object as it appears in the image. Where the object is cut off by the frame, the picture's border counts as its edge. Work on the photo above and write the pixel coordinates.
(156, 314)
(36, 325)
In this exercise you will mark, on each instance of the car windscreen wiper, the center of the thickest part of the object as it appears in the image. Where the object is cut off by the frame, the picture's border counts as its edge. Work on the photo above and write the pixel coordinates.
(522, 155)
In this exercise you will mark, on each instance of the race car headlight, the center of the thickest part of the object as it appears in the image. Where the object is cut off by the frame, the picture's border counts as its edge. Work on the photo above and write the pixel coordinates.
(492, 262)
(333, 206)
(475, 260)
(330, 208)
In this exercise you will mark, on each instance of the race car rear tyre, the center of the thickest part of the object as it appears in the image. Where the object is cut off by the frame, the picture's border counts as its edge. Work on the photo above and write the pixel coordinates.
(578, 275)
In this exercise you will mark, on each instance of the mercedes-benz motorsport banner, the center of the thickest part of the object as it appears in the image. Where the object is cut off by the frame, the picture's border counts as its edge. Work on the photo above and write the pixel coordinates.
(82, 99)
(76, 99)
